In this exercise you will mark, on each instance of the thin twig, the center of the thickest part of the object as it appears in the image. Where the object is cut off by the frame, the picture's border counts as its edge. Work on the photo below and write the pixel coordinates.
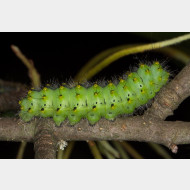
(128, 51)
(160, 150)
(94, 150)
(108, 148)
(21, 150)
(120, 149)
(33, 73)
(131, 150)
(60, 153)
(105, 152)
(68, 150)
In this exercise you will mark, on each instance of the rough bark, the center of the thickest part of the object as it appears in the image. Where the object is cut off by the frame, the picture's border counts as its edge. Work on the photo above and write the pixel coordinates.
(171, 95)
(44, 142)
(137, 128)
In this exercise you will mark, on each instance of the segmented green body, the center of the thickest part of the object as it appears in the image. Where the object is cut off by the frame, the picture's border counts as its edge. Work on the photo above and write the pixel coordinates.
(95, 102)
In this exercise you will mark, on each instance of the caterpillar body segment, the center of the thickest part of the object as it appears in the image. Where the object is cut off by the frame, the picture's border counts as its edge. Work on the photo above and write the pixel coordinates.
(95, 102)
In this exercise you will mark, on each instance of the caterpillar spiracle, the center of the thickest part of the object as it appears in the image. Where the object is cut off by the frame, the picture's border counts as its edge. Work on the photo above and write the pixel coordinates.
(95, 102)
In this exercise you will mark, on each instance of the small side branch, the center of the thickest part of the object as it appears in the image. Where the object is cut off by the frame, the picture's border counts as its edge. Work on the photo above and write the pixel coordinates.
(32, 71)
(44, 146)
(44, 142)
(171, 96)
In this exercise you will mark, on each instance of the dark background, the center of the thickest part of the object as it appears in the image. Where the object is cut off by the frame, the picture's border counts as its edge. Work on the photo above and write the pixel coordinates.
(59, 56)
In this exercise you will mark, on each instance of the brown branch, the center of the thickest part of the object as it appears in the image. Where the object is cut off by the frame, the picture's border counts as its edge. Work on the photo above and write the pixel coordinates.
(44, 142)
(137, 128)
(171, 96)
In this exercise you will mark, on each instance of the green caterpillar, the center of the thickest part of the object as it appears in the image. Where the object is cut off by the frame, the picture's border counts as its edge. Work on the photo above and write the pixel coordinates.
(95, 102)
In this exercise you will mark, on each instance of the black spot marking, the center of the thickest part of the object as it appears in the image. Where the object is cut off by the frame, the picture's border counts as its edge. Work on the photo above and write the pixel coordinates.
(113, 100)
(60, 104)
(77, 104)
(140, 86)
(112, 105)
(42, 109)
(32, 104)
(29, 109)
(58, 109)
(44, 104)
(74, 108)
(128, 99)
(93, 107)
